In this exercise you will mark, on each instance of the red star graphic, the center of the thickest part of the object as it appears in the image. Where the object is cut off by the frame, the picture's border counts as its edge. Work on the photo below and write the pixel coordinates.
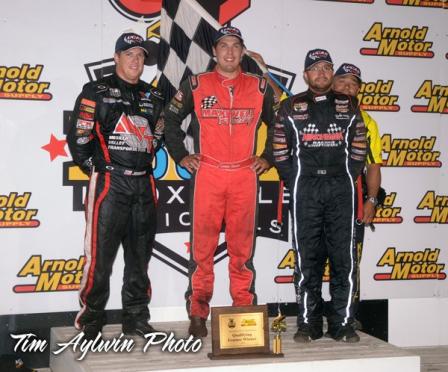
(55, 148)
(187, 244)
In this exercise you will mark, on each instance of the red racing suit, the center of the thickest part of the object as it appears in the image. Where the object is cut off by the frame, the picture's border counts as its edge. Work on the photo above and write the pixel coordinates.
(226, 114)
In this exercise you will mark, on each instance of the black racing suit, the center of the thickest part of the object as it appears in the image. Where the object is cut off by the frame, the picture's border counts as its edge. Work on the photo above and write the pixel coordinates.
(319, 149)
(113, 137)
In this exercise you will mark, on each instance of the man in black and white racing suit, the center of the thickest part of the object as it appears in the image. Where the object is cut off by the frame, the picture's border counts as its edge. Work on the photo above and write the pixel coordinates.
(319, 150)
(113, 138)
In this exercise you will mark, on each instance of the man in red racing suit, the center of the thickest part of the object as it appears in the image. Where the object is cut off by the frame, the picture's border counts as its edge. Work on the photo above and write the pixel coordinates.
(227, 107)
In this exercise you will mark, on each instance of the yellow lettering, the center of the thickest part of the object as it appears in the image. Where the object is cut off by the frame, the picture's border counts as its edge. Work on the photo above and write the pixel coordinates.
(425, 90)
(388, 258)
(439, 215)
(32, 267)
(427, 201)
(288, 261)
(401, 271)
(375, 32)
(48, 282)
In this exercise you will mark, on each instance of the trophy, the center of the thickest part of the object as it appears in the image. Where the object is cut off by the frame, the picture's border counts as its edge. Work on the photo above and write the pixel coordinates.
(278, 326)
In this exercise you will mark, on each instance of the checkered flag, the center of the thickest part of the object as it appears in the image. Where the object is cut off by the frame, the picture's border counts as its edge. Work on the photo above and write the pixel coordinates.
(208, 102)
(187, 32)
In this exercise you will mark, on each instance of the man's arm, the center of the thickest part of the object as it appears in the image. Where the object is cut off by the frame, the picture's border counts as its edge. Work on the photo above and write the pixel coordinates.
(282, 142)
(263, 162)
(260, 62)
(158, 117)
(373, 167)
(180, 106)
(358, 145)
(373, 181)
(80, 135)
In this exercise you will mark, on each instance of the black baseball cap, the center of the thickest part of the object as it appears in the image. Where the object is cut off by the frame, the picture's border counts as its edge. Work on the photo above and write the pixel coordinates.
(317, 55)
(130, 40)
(349, 69)
(228, 31)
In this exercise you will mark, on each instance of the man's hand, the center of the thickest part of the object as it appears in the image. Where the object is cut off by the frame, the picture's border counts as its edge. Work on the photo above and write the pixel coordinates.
(191, 162)
(260, 165)
(259, 59)
(369, 212)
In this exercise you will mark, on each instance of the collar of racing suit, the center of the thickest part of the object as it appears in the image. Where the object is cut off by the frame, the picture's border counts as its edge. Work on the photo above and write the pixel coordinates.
(225, 81)
(319, 97)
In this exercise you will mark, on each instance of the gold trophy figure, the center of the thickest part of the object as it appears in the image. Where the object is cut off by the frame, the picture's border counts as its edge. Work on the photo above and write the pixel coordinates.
(278, 325)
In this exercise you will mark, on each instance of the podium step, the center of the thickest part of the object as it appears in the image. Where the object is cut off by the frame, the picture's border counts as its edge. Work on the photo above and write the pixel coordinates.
(323, 355)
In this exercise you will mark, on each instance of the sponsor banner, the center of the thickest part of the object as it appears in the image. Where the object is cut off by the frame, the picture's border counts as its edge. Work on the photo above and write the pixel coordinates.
(437, 96)
(14, 211)
(410, 152)
(353, 1)
(23, 83)
(50, 275)
(436, 205)
(389, 212)
(420, 3)
(288, 263)
(398, 42)
(376, 96)
(42, 184)
(411, 265)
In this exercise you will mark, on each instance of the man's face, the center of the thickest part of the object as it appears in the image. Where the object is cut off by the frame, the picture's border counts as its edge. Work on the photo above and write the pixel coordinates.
(347, 84)
(319, 77)
(228, 51)
(129, 64)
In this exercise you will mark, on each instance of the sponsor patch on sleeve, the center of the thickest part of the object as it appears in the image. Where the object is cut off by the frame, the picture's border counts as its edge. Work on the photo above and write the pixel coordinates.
(84, 124)
(88, 102)
(86, 108)
(86, 115)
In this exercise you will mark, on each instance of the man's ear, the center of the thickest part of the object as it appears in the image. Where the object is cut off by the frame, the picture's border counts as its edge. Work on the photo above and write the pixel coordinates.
(214, 51)
(305, 77)
(116, 56)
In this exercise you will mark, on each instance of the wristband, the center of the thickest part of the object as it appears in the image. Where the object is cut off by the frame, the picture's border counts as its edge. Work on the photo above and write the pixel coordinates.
(373, 200)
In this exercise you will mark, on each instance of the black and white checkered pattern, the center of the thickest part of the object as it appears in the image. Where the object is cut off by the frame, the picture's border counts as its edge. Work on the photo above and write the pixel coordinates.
(187, 32)
(208, 102)
(186, 39)
(334, 128)
(311, 128)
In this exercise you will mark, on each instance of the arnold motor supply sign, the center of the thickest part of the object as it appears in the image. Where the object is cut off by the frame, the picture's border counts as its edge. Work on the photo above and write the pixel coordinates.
(50, 51)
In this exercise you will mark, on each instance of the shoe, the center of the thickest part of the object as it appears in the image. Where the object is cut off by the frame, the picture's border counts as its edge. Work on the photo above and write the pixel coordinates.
(197, 327)
(307, 334)
(343, 333)
(137, 327)
(91, 331)
(357, 325)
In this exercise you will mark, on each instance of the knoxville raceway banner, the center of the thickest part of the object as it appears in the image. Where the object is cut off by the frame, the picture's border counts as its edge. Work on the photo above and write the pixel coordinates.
(53, 48)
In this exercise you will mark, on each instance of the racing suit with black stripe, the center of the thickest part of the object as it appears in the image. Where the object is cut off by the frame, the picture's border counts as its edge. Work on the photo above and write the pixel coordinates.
(112, 137)
(226, 114)
(319, 150)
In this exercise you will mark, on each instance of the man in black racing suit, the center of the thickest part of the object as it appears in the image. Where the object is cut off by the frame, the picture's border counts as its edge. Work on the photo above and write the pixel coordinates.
(319, 149)
(112, 138)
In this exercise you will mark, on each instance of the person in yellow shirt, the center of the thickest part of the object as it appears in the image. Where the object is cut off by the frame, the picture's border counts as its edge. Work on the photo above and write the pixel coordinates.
(347, 80)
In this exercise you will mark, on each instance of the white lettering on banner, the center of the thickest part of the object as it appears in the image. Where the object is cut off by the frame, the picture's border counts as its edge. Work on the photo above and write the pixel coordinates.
(182, 220)
(275, 227)
(261, 200)
(175, 195)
